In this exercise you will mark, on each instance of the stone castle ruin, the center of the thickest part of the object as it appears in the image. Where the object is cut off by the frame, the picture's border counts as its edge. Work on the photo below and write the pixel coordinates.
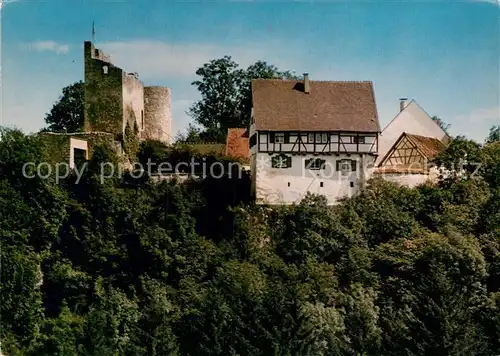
(119, 110)
(115, 100)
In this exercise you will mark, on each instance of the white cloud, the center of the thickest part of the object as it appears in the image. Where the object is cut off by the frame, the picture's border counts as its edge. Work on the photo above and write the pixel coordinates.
(41, 46)
(176, 65)
(482, 115)
(157, 59)
(477, 123)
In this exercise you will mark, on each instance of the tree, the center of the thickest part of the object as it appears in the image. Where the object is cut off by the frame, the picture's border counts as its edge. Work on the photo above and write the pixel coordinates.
(494, 134)
(444, 126)
(192, 135)
(258, 70)
(461, 156)
(490, 168)
(103, 267)
(67, 114)
(219, 88)
(153, 150)
(226, 95)
(21, 309)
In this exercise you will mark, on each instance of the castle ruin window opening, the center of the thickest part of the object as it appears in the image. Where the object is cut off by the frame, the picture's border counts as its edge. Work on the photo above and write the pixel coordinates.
(79, 157)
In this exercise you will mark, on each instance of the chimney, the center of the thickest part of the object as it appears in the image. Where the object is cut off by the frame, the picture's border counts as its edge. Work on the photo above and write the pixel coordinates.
(402, 104)
(307, 85)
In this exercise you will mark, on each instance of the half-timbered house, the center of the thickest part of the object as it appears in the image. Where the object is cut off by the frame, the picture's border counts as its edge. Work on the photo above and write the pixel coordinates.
(412, 119)
(409, 161)
(311, 136)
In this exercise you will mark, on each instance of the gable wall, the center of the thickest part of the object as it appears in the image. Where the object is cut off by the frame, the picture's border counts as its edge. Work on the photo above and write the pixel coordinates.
(405, 153)
(413, 120)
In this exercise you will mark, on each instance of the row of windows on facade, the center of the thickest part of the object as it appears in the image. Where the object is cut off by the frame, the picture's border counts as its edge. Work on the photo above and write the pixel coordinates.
(343, 165)
(311, 138)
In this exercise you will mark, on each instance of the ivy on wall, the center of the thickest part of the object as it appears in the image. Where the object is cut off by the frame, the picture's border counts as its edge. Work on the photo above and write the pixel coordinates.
(131, 140)
(103, 98)
(56, 147)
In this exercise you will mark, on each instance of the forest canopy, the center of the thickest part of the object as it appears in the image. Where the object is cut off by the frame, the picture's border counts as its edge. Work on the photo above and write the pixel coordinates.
(113, 268)
(126, 266)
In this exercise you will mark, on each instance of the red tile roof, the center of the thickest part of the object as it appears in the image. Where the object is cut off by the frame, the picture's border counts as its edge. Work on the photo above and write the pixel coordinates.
(329, 106)
(237, 143)
(429, 146)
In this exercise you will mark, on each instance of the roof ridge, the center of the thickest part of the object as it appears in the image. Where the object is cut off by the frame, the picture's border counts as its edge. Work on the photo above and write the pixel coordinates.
(426, 137)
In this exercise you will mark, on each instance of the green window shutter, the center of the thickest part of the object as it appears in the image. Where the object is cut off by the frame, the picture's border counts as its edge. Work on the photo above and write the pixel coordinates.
(271, 137)
(287, 137)
(337, 165)
(354, 164)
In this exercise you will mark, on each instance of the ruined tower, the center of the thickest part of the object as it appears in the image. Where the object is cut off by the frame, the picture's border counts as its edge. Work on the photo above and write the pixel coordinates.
(115, 100)
(158, 113)
(103, 92)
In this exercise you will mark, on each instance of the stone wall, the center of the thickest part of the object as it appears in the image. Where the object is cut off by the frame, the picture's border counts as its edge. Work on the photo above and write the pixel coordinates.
(133, 101)
(95, 139)
(103, 93)
(56, 146)
(117, 102)
(158, 114)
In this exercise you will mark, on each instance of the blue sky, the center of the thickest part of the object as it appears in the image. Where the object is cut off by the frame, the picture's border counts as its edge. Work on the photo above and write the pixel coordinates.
(443, 54)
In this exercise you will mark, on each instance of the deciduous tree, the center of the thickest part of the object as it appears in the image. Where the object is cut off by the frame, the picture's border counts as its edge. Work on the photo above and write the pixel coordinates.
(225, 89)
(67, 114)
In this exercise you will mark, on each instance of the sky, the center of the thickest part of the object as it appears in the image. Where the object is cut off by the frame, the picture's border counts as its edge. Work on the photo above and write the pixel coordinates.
(443, 54)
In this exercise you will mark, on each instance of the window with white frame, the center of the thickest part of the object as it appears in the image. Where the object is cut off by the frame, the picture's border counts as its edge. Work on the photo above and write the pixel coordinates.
(347, 165)
(317, 138)
(279, 138)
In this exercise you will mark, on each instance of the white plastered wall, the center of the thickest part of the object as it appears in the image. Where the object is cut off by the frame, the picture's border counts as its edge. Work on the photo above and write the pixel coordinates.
(412, 180)
(290, 185)
(413, 120)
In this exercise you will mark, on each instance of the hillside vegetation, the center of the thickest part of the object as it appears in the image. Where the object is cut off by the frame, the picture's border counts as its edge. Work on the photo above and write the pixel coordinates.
(123, 266)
